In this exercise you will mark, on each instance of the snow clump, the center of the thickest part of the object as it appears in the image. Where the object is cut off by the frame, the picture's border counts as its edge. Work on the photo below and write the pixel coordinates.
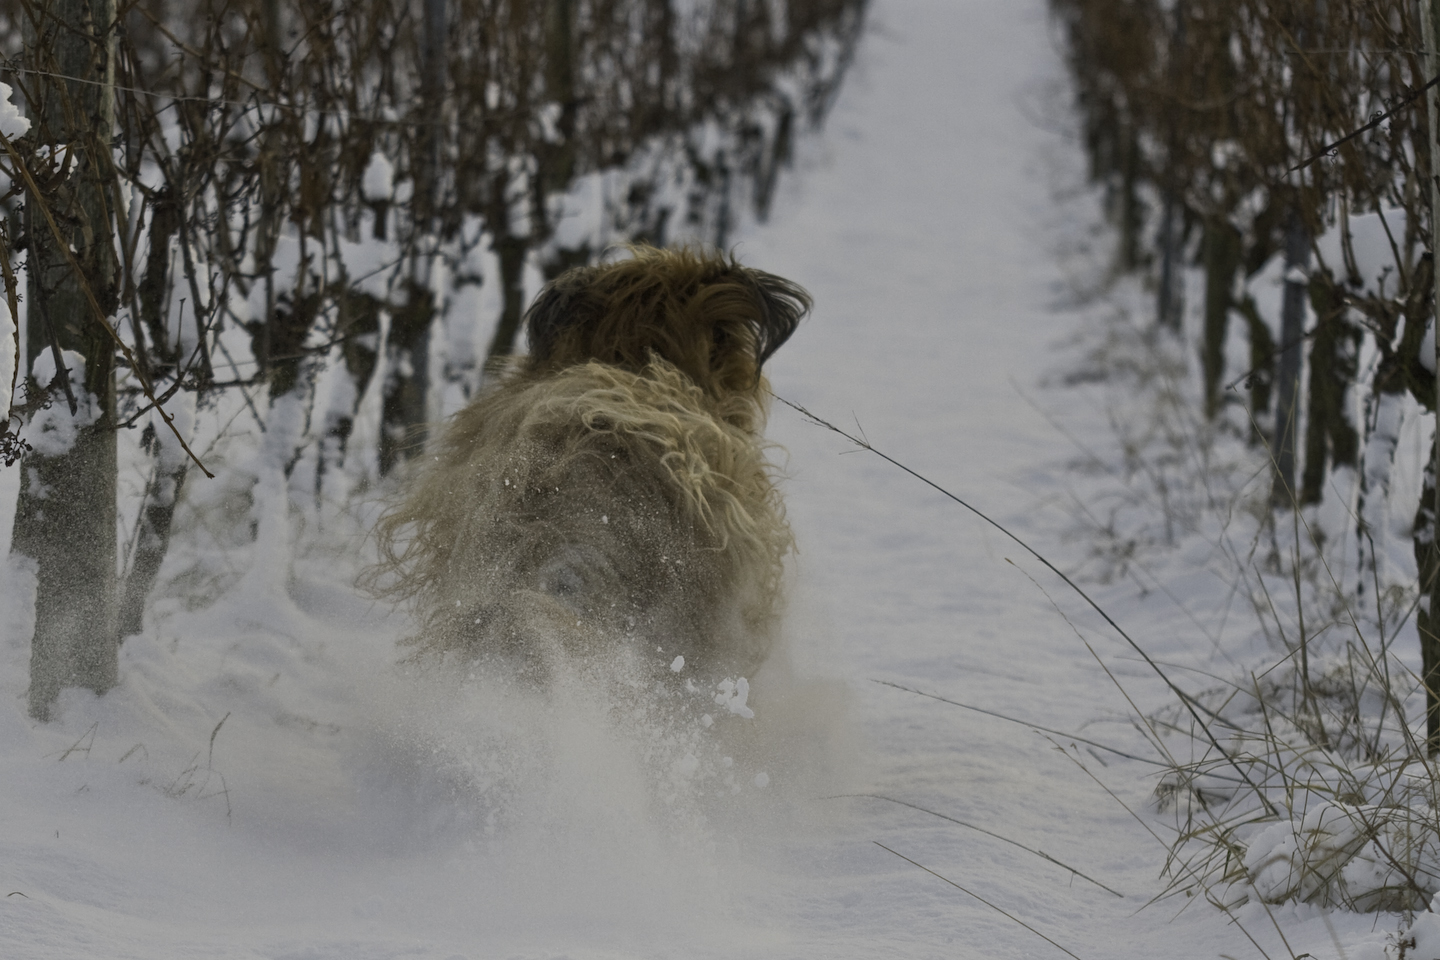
(1363, 857)
(732, 695)
(13, 122)
(378, 182)
(53, 430)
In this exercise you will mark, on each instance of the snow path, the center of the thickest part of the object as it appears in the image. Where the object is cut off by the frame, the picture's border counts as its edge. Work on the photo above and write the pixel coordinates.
(923, 240)
(920, 223)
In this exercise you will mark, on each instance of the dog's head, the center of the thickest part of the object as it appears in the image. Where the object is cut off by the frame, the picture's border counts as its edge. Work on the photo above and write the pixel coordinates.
(715, 320)
(612, 492)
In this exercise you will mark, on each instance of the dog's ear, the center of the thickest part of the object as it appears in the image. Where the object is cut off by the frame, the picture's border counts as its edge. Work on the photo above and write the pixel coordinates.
(781, 306)
(745, 315)
(569, 301)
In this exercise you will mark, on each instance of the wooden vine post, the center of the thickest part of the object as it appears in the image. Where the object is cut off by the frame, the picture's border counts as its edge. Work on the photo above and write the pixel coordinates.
(65, 516)
(1429, 642)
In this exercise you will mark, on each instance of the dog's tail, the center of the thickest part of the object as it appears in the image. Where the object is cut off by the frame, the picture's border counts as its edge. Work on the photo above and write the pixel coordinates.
(715, 320)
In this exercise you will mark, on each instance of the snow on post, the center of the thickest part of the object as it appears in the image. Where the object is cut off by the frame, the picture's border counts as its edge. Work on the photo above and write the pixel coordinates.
(9, 348)
(54, 429)
(378, 182)
(13, 122)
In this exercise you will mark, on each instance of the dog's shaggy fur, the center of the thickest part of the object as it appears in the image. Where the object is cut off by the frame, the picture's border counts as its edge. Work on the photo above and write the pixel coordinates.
(611, 492)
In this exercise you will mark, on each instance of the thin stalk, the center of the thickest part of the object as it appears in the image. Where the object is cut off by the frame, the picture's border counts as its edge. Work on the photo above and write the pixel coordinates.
(1025, 723)
(1184, 698)
(977, 896)
(1014, 843)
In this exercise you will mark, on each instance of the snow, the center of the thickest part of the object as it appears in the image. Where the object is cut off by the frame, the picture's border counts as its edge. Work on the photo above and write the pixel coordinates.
(54, 429)
(378, 181)
(732, 695)
(268, 781)
(9, 330)
(1370, 265)
(1427, 933)
(12, 119)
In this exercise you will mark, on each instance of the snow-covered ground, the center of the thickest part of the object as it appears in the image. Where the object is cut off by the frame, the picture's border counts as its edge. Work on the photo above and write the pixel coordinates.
(265, 782)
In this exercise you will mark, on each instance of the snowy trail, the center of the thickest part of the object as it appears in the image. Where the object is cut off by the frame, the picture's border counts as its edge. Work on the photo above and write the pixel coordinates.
(920, 223)
(923, 235)
(922, 240)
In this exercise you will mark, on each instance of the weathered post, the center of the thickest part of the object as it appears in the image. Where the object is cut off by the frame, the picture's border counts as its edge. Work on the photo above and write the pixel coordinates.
(1429, 641)
(65, 516)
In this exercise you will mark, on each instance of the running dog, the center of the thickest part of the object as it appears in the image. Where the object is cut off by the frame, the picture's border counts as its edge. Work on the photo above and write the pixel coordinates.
(610, 495)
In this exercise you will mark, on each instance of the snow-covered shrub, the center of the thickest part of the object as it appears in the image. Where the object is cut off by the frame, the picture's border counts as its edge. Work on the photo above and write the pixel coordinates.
(1296, 768)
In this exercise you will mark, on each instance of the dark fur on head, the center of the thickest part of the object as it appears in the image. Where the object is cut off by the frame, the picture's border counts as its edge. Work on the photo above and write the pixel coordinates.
(703, 312)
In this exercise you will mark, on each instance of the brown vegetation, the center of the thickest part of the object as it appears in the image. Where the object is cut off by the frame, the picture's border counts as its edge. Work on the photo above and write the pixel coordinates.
(237, 177)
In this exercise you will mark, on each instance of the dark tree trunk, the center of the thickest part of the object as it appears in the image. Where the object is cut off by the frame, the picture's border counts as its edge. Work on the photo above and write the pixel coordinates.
(1126, 206)
(560, 88)
(65, 517)
(1261, 379)
(1222, 259)
(1430, 564)
(1292, 331)
(162, 491)
(407, 355)
(1427, 615)
(432, 92)
(510, 251)
(1169, 305)
(152, 542)
(404, 412)
(1329, 434)
(360, 326)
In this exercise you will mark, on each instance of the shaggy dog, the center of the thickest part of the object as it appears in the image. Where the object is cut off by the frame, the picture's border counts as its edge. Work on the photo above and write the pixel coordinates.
(609, 497)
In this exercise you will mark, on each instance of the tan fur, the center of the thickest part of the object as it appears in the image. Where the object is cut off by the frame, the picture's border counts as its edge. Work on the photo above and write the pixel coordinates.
(612, 489)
